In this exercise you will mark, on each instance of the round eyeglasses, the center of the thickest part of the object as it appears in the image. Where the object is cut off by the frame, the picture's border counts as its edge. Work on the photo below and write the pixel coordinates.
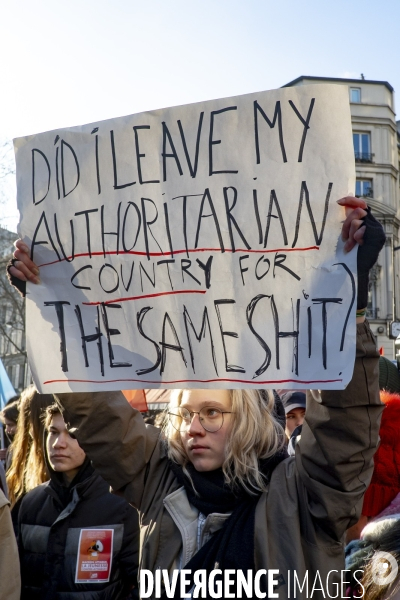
(211, 419)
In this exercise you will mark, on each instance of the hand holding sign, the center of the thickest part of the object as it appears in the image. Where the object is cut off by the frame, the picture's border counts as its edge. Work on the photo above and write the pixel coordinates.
(23, 267)
(361, 227)
(353, 229)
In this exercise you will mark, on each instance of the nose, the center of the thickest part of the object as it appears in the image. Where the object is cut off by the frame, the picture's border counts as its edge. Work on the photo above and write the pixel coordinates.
(60, 441)
(299, 420)
(195, 427)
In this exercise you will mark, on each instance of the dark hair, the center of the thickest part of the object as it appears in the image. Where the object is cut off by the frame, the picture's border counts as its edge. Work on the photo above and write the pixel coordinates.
(154, 417)
(12, 399)
(50, 411)
(10, 412)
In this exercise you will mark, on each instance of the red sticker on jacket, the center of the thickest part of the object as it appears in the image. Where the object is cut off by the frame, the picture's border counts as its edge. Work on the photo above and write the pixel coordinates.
(94, 556)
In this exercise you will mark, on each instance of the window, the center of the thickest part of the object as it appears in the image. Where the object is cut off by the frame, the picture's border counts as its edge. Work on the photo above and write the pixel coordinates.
(362, 147)
(28, 378)
(374, 279)
(16, 376)
(12, 341)
(364, 188)
(21, 383)
(23, 340)
(355, 94)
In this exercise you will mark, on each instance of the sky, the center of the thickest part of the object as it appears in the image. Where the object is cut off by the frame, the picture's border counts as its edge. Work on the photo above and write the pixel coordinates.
(72, 62)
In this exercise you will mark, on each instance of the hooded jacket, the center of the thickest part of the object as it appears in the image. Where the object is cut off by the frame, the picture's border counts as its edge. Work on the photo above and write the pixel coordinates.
(51, 519)
(311, 500)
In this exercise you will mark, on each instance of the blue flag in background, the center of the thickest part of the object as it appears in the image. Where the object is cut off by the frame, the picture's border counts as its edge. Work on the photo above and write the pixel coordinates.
(6, 389)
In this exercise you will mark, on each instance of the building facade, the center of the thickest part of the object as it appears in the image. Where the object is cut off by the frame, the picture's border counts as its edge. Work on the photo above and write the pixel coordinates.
(12, 320)
(376, 137)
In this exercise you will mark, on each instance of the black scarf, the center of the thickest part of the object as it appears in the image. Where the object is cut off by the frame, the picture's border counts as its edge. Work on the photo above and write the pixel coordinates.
(232, 547)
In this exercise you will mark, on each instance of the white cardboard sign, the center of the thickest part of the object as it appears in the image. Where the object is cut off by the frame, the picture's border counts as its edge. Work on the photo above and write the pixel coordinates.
(193, 246)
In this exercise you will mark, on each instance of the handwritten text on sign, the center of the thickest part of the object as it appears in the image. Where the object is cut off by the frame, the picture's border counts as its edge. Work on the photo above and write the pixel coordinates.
(193, 246)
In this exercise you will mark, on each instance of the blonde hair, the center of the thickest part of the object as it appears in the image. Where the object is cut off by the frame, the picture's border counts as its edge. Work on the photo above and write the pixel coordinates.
(256, 434)
(28, 467)
(372, 589)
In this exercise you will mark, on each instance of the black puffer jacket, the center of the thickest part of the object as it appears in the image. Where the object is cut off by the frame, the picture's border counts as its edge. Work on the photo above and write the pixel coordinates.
(50, 521)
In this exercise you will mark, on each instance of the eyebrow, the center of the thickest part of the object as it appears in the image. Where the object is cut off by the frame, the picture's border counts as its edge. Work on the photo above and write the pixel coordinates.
(213, 403)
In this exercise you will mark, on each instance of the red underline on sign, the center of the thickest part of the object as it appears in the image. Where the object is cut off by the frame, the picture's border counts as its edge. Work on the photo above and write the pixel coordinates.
(163, 382)
(145, 296)
(192, 251)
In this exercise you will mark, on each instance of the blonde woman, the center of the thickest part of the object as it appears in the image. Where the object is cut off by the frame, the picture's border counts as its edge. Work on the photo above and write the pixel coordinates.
(215, 491)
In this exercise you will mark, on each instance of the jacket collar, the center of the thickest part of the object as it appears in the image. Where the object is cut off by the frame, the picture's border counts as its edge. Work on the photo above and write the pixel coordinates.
(185, 517)
(86, 486)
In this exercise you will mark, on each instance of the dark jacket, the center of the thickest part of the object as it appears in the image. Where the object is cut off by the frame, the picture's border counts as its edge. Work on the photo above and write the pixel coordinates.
(51, 518)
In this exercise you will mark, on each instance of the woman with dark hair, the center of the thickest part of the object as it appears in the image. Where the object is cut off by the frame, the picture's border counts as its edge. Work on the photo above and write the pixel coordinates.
(74, 502)
(9, 418)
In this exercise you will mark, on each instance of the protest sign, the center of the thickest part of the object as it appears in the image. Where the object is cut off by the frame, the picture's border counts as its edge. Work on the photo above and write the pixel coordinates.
(94, 558)
(193, 246)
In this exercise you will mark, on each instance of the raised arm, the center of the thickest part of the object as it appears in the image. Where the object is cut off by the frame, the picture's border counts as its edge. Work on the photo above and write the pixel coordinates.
(116, 439)
(340, 434)
(341, 430)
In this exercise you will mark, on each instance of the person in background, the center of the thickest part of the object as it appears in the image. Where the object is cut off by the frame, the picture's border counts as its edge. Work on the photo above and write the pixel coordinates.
(378, 529)
(374, 560)
(294, 402)
(52, 516)
(3, 482)
(155, 417)
(389, 377)
(10, 580)
(385, 482)
(9, 418)
(295, 410)
(28, 467)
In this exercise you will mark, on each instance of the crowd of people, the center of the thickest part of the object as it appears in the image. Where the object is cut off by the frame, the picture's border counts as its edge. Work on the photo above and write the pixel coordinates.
(224, 481)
